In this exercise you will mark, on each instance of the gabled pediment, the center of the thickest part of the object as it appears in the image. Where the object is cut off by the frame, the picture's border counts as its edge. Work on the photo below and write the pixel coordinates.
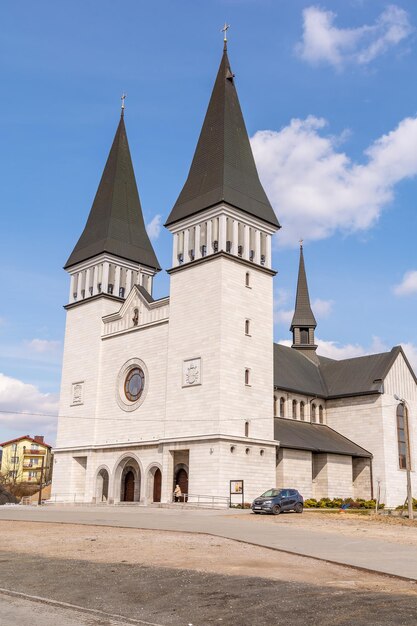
(138, 310)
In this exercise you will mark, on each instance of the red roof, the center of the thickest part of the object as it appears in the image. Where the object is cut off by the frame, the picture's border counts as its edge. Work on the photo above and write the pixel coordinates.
(6, 443)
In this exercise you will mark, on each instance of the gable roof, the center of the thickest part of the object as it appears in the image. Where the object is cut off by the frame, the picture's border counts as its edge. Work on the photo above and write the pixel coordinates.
(27, 437)
(115, 223)
(223, 168)
(294, 372)
(362, 375)
(315, 437)
(303, 315)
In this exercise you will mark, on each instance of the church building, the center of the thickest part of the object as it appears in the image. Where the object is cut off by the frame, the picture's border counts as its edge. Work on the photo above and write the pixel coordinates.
(190, 389)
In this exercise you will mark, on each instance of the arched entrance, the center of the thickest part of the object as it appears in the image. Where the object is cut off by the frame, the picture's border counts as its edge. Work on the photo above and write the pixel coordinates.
(129, 487)
(127, 479)
(157, 484)
(181, 479)
(102, 486)
(154, 484)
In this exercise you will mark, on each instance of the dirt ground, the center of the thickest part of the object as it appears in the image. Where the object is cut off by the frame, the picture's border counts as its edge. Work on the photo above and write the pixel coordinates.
(393, 529)
(183, 579)
(201, 553)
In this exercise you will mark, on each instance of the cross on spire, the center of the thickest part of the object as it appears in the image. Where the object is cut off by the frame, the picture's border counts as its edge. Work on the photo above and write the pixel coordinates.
(123, 98)
(301, 243)
(224, 31)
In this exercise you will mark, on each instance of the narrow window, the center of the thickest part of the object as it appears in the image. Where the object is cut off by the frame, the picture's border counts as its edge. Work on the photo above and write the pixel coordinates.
(313, 412)
(247, 377)
(302, 415)
(282, 407)
(304, 335)
(402, 435)
(247, 279)
(321, 418)
(275, 406)
(294, 409)
(246, 429)
(247, 327)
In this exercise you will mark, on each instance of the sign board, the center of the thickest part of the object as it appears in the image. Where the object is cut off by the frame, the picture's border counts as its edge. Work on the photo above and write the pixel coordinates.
(236, 492)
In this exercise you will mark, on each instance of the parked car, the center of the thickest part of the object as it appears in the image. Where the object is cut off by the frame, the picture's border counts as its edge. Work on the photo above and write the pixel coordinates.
(276, 501)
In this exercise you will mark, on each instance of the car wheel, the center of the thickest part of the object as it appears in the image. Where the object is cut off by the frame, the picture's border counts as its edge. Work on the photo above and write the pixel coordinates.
(298, 507)
(276, 509)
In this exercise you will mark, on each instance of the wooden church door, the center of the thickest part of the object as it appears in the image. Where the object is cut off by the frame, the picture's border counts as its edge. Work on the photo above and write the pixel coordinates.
(157, 481)
(129, 491)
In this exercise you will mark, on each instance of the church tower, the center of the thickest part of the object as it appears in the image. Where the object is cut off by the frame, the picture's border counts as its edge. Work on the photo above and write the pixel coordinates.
(303, 322)
(112, 255)
(220, 345)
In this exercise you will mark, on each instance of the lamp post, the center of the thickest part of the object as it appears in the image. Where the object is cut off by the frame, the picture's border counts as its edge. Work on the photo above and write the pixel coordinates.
(407, 458)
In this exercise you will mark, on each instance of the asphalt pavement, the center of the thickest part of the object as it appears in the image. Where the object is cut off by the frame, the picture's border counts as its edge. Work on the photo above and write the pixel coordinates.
(378, 555)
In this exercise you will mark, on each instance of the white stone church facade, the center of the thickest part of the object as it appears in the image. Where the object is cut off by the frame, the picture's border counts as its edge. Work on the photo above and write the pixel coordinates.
(190, 388)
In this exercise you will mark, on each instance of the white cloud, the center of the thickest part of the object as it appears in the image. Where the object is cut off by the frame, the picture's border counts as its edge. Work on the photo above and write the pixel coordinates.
(317, 190)
(410, 350)
(323, 42)
(44, 346)
(283, 316)
(408, 285)
(154, 227)
(38, 408)
(322, 308)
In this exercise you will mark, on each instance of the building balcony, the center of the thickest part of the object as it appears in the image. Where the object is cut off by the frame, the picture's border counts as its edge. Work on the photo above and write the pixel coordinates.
(33, 452)
(32, 467)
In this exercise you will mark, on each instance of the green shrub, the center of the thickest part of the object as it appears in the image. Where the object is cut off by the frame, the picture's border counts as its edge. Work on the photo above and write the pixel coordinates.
(337, 503)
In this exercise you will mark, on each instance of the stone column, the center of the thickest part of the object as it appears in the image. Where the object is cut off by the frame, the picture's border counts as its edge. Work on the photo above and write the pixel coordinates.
(222, 232)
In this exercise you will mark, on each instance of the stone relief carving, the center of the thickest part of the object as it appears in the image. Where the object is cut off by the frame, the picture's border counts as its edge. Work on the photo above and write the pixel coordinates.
(191, 372)
(77, 396)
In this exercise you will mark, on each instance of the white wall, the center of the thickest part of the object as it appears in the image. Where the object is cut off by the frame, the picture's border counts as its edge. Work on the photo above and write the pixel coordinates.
(209, 303)
(399, 381)
(360, 420)
(294, 471)
(81, 363)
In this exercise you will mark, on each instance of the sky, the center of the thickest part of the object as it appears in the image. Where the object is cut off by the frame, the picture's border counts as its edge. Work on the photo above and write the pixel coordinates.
(329, 95)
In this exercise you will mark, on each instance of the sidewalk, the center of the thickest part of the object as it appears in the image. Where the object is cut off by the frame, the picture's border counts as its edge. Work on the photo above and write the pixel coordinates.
(379, 555)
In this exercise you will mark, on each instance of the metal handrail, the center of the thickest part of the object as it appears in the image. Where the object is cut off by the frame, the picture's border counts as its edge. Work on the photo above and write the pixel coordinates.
(198, 499)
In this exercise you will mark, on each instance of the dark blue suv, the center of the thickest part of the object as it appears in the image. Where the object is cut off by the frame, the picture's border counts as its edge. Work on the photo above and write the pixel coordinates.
(276, 501)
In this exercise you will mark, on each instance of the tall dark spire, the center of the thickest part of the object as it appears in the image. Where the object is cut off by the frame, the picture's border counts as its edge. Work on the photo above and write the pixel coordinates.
(115, 224)
(303, 322)
(303, 315)
(223, 168)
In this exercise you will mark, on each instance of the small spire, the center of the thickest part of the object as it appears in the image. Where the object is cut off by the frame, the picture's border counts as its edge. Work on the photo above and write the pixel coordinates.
(224, 31)
(123, 98)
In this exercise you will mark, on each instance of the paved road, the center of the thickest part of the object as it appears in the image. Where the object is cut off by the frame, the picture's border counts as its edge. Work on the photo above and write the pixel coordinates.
(376, 554)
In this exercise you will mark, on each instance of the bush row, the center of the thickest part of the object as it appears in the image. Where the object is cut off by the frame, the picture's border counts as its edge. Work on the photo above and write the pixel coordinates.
(339, 503)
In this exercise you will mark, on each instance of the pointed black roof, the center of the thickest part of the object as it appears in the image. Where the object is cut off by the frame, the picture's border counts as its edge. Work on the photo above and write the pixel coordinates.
(223, 168)
(303, 315)
(115, 224)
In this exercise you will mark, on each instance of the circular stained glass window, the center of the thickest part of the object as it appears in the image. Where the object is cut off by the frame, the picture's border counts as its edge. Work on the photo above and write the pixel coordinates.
(134, 384)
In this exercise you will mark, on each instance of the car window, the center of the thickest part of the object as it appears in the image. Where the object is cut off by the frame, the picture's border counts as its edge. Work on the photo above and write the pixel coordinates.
(293, 492)
(271, 493)
(285, 493)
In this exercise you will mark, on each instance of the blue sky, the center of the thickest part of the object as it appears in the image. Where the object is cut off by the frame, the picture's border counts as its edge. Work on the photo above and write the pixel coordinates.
(330, 100)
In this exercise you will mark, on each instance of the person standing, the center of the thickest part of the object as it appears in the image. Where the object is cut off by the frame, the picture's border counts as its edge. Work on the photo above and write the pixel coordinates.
(177, 493)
